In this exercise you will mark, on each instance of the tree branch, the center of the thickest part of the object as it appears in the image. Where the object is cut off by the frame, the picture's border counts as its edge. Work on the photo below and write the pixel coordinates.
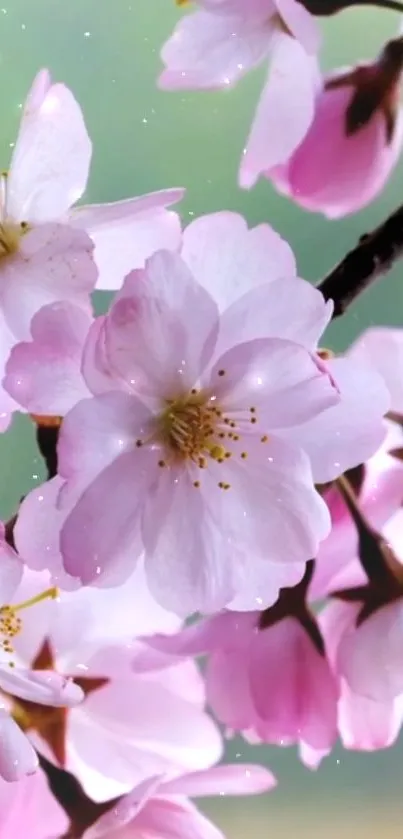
(374, 256)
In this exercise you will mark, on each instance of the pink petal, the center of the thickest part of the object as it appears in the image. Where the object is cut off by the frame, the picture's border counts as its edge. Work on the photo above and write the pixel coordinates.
(127, 232)
(285, 110)
(301, 702)
(382, 348)
(228, 259)
(210, 51)
(11, 569)
(7, 404)
(51, 158)
(346, 434)
(54, 263)
(284, 382)
(43, 687)
(380, 497)
(95, 367)
(239, 779)
(366, 725)
(285, 517)
(17, 756)
(175, 820)
(100, 541)
(39, 88)
(370, 658)
(137, 729)
(301, 24)
(125, 810)
(162, 328)
(29, 808)
(97, 431)
(286, 308)
(193, 640)
(158, 721)
(189, 549)
(261, 582)
(271, 502)
(37, 532)
(44, 374)
(228, 689)
(160, 818)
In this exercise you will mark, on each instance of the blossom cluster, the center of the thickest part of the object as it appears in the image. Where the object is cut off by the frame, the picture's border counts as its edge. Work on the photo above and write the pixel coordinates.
(218, 483)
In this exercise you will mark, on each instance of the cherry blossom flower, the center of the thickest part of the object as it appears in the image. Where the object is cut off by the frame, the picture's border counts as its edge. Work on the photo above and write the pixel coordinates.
(166, 438)
(29, 809)
(221, 41)
(48, 174)
(44, 687)
(365, 627)
(130, 725)
(364, 724)
(294, 703)
(160, 807)
(353, 142)
(129, 427)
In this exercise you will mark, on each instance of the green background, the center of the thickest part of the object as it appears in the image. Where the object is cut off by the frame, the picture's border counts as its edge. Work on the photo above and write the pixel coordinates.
(107, 51)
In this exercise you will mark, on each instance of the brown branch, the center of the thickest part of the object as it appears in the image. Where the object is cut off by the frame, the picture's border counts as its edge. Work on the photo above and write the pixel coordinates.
(324, 8)
(375, 255)
(81, 811)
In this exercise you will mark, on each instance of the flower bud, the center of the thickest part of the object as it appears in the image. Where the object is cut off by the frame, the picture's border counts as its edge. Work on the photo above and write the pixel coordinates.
(354, 140)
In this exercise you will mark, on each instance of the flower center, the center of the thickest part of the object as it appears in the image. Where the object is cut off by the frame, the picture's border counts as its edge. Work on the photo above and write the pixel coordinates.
(11, 232)
(11, 623)
(188, 427)
(193, 427)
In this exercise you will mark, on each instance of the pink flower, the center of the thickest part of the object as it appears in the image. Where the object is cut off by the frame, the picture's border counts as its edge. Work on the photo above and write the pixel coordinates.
(162, 365)
(364, 723)
(379, 489)
(365, 629)
(221, 41)
(130, 725)
(17, 757)
(293, 702)
(49, 172)
(185, 428)
(29, 809)
(160, 807)
(354, 140)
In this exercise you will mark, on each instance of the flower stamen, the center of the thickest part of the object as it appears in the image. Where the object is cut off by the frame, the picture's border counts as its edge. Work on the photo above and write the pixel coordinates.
(11, 623)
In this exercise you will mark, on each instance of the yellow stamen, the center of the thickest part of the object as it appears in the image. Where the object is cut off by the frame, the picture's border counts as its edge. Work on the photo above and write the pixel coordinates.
(49, 594)
(11, 623)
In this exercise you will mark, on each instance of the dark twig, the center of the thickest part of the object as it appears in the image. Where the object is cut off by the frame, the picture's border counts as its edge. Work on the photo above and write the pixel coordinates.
(374, 256)
(324, 8)
(81, 811)
(47, 436)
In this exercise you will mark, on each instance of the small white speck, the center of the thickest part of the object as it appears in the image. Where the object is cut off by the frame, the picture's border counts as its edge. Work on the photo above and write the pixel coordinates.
(87, 34)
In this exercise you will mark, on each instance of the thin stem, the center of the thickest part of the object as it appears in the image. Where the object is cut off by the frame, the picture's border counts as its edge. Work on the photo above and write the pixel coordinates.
(376, 556)
(375, 255)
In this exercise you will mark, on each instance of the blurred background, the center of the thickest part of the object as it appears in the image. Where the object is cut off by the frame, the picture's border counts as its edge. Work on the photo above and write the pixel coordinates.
(107, 51)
